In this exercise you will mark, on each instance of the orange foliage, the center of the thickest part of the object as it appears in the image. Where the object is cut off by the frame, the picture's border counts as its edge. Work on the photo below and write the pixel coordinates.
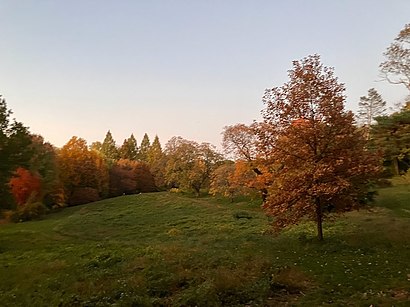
(24, 185)
(321, 160)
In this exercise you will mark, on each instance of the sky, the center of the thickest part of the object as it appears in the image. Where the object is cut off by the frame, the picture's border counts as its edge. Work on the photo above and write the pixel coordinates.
(179, 67)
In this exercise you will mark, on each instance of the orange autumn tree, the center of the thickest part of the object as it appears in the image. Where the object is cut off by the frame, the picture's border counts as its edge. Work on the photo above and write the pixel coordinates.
(83, 172)
(240, 141)
(25, 186)
(322, 164)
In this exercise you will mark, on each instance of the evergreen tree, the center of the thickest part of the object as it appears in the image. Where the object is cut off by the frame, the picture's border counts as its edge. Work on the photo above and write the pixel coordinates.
(108, 147)
(157, 162)
(371, 106)
(129, 149)
(144, 148)
(155, 151)
(391, 134)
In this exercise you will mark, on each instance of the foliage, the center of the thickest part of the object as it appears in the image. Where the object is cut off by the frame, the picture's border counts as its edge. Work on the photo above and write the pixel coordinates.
(24, 185)
(44, 163)
(323, 163)
(391, 134)
(15, 150)
(83, 195)
(235, 179)
(371, 106)
(28, 212)
(189, 164)
(122, 180)
(130, 177)
(144, 148)
(81, 168)
(157, 161)
(396, 67)
(129, 149)
(109, 149)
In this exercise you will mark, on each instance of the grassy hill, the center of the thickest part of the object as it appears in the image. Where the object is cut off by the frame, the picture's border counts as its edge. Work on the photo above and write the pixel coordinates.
(174, 250)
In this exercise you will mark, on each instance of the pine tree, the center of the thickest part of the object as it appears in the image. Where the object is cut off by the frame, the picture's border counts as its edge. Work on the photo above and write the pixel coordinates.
(371, 106)
(155, 151)
(108, 147)
(144, 148)
(129, 149)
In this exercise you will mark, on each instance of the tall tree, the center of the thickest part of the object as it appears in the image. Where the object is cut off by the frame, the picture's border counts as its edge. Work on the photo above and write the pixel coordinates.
(44, 163)
(319, 156)
(371, 106)
(391, 134)
(144, 148)
(396, 67)
(108, 148)
(129, 149)
(157, 161)
(15, 151)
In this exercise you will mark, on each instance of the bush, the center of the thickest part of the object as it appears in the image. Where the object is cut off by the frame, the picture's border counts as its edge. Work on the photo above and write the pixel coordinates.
(28, 212)
(82, 196)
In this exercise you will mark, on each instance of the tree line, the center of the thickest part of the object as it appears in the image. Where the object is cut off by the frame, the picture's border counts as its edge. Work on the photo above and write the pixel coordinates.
(308, 157)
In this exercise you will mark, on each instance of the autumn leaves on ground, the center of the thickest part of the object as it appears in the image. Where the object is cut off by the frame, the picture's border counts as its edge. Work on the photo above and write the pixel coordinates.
(259, 224)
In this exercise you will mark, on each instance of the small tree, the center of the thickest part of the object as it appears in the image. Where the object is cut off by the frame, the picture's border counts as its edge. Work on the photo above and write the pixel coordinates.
(318, 155)
(396, 67)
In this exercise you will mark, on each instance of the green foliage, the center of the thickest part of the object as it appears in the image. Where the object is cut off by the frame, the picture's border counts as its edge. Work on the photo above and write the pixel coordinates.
(144, 148)
(391, 134)
(129, 149)
(108, 148)
(171, 250)
(189, 164)
(28, 212)
(15, 151)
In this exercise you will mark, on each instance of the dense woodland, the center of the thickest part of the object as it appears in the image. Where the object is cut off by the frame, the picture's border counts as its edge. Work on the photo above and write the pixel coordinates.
(308, 157)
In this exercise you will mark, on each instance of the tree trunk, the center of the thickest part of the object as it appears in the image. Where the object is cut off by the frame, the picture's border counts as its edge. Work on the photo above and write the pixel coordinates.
(396, 170)
(319, 219)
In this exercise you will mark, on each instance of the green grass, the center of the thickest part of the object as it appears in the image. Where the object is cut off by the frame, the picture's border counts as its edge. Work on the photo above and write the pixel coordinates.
(173, 250)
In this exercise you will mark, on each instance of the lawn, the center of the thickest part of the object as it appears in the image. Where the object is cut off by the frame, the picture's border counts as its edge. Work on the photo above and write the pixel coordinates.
(174, 250)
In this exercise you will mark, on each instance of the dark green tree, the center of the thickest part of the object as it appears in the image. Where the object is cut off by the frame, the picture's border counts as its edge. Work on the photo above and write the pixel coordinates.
(15, 150)
(392, 135)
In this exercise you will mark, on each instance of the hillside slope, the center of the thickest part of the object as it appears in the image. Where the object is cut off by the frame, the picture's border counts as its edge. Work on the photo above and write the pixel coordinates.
(169, 249)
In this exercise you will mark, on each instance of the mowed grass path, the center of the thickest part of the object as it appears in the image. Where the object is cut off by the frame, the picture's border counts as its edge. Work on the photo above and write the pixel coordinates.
(166, 249)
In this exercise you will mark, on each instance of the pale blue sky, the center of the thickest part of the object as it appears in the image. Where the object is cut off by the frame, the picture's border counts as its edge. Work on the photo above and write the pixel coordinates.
(178, 68)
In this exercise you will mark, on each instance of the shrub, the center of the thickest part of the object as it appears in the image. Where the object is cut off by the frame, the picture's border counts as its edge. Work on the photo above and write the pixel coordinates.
(83, 196)
(28, 212)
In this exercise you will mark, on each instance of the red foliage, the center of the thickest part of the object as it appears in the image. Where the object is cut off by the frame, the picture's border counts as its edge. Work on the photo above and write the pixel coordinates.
(24, 185)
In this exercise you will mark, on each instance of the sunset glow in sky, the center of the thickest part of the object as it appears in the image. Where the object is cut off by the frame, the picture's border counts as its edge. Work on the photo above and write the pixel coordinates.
(179, 68)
